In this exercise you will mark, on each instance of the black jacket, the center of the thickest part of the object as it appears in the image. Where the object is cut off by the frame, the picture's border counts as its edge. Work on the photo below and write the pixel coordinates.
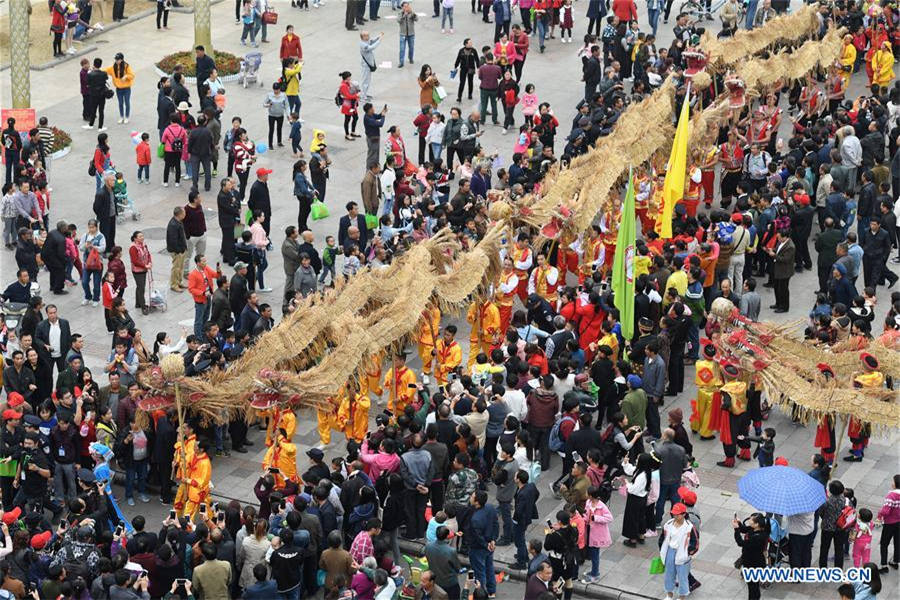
(467, 60)
(229, 205)
(801, 222)
(526, 504)
(205, 65)
(164, 109)
(865, 206)
(54, 251)
(180, 94)
(344, 224)
(313, 254)
(876, 246)
(753, 548)
(259, 199)
(200, 142)
(26, 257)
(103, 203)
(42, 338)
(176, 240)
(237, 295)
(96, 81)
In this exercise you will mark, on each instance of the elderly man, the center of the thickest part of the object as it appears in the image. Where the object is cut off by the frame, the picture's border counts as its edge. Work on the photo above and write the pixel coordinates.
(53, 253)
(367, 59)
(290, 253)
(26, 205)
(105, 209)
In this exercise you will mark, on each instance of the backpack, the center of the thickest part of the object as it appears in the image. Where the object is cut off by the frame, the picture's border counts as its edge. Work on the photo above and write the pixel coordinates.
(177, 145)
(282, 84)
(847, 518)
(556, 443)
(338, 99)
(92, 168)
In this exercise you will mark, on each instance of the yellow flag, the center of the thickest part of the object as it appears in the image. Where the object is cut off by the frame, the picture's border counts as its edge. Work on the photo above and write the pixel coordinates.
(673, 188)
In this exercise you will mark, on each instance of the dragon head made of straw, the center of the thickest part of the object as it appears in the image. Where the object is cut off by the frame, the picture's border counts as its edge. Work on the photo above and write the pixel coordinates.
(271, 390)
(696, 60)
(161, 379)
(736, 90)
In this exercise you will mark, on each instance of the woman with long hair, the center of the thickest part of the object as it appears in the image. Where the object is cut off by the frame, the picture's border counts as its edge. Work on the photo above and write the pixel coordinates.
(123, 78)
(162, 345)
(253, 552)
(244, 157)
(102, 161)
(304, 191)
(753, 539)
(141, 264)
(349, 93)
(634, 522)
(427, 81)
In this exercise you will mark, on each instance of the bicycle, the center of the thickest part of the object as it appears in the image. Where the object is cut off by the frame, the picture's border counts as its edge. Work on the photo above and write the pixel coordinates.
(696, 10)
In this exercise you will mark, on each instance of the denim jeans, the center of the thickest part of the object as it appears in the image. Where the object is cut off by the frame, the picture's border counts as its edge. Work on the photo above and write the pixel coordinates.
(220, 437)
(436, 148)
(293, 594)
(249, 30)
(124, 97)
(519, 541)
(694, 339)
(143, 172)
(667, 491)
(653, 18)
(542, 32)
(137, 471)
(594, 554)
(447, 13)
(64, 486)
(505, 509)
(482, 562)
(9, 231)
(388, 207)
(676, 574)
(294, 104)
(86, 277)
(751, 13)
(201, 316)
(407, 40)
(261, 269)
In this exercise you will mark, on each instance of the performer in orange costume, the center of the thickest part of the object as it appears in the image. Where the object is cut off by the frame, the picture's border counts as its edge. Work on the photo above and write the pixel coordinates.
(188, 452)
(372, 367)
(282, 455)
(448, 355)
(279, 418)
(708, 174)
(353, 412)
(485, 334)
(708, 404)
(566, 256)
(400, 383)
(857, 431)
(592, 254)
(523, 258)
(693, 185)
(506, 292)
(429, 326)
(198, 480)
(544, 280)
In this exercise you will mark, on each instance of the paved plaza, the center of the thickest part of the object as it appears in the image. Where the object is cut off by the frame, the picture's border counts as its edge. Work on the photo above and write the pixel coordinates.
(329, 49)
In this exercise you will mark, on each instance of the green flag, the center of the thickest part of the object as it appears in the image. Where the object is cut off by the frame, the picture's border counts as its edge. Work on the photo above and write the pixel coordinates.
(623, 263)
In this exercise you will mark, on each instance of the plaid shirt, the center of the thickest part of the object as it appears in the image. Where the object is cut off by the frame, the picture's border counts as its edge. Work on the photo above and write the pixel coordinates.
(361, 547)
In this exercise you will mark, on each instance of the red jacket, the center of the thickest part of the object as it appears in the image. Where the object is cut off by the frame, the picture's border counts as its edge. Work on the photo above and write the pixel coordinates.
(626, 10)
(143, 154)
(199, 282)
(291, 47)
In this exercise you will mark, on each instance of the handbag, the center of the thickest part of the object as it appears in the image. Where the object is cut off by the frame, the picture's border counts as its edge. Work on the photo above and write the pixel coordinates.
(108, 92)
(270, 17)
(657, 566)
(373, 67)
(318, 210)
(161, 150)
(371, 221)
(93, 262)
(8, 469)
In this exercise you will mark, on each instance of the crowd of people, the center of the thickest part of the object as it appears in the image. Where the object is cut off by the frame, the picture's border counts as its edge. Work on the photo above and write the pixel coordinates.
(459, 444)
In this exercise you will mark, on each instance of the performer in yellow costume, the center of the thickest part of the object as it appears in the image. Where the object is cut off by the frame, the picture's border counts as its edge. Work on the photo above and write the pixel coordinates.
(506, 292)
(857, 431)
(708, 404)
(544, 280)
(187, 452)
(326, 420)
(373, 374)
(198, 480)
(428, 328)
(279, 418)
(592, 254)
(283, 456)
(848, 58)
(523, 258)
(353, 411)
(448, 355)
(566, 256)
(735, 420)
(485, 321)
(400, 383)
(883, 65)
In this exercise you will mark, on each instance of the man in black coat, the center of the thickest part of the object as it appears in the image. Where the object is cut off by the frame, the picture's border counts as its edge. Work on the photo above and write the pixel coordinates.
(105, 209)
(238, 291)
(876, 245)
(26, 252)
(592, 73)
(200, 149)
(43, 335)
(179, 92)
(96, 82)
(163, 455)
(205, 65)
(350, 219)
(165, 107)
(54, 256)
(801, 227)
(259, 197)
(229, 214)
(525, 511)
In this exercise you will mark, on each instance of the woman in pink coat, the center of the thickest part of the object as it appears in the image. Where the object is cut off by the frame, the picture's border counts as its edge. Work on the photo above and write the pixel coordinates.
(505, 52)
(598, 518)
(383, 461)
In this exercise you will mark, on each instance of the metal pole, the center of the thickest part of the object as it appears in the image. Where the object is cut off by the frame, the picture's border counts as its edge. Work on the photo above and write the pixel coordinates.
(20, 63)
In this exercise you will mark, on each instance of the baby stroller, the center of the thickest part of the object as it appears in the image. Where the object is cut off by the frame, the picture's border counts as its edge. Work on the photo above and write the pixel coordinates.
(124, 202)
(156, 297)
(249, 72)
(778, 547)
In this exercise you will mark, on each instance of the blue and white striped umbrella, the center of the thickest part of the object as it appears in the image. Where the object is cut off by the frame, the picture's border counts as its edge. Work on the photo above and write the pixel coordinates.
(781, 490)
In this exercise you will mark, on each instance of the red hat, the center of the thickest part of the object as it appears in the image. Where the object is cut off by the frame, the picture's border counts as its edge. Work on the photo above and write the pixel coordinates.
(15, 399)
(678, 509)
(262, 171)
(737, 218)
(12, 516)
(781, 461)
(870, 363)
(825, 369)
(11, 414)
(687, 495)
(40, 540)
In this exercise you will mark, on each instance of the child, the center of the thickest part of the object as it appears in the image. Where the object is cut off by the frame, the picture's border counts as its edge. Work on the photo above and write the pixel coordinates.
(689, 478)
(318, 141)
(120, 191)
(351, 261)
(765, 451)
(294, 135)
(435, 136)
(71, 255)
(530, 104)
(869, 297)
(108, 294)
(862, 537)
(142, 155)
(431, 532)
(329, 258)
(565, 22)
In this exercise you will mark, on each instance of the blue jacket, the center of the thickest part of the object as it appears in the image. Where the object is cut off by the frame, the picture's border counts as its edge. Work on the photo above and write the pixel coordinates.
(483, 527)
(372, 124)
(302, 187)
(502, 10)
(295, 131)
(261, 590)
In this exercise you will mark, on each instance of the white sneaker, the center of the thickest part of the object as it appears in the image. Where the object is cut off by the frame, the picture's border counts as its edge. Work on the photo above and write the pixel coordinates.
(121, 120)
(87, 126)
(264, 290)
(185, 176)
(95, 303)
(70, 51)
(451, 30)
(177, 184)
(84, 301)
(504, 131)
(165, 184)
(442, 31)
(125, 120)
(102, 129)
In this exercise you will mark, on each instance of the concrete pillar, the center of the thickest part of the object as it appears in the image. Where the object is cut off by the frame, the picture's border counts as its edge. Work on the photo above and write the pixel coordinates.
(202, 25)
(20, 64)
